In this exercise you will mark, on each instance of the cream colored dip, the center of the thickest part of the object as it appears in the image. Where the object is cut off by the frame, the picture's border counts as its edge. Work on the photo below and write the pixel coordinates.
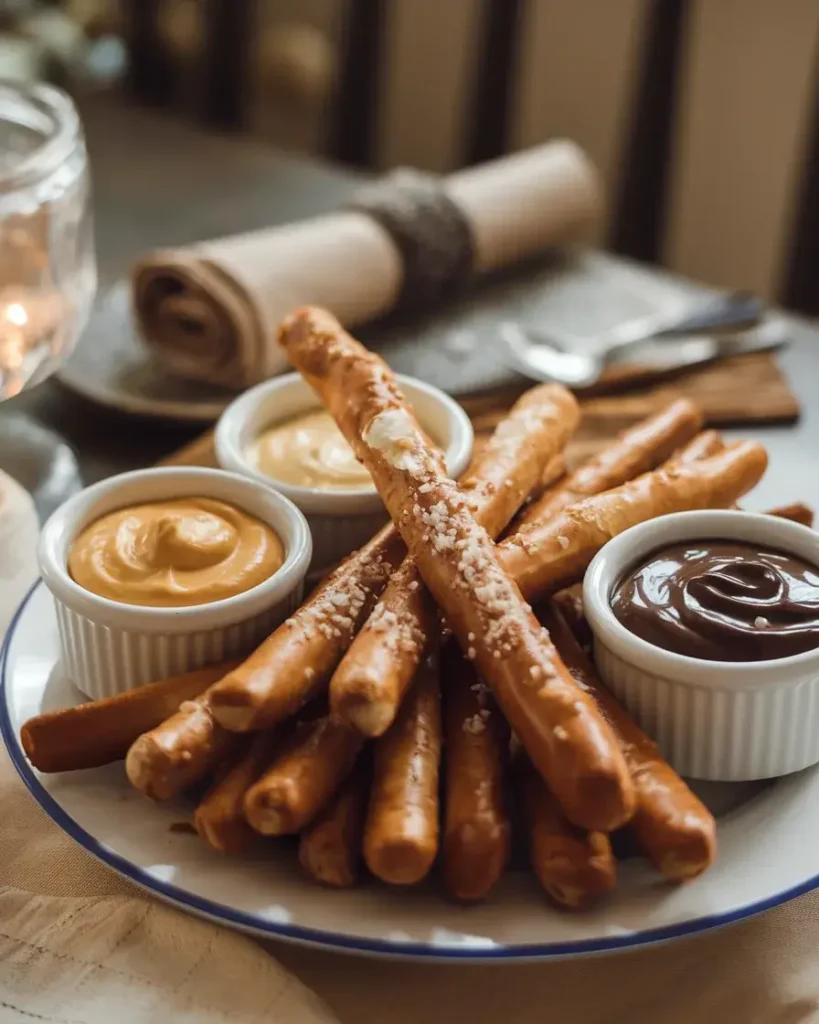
(309, 451)
(170, 554)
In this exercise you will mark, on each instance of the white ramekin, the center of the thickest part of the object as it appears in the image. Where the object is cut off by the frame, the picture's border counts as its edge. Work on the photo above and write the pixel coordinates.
(109, 647)
(340, 521)
(717, 720)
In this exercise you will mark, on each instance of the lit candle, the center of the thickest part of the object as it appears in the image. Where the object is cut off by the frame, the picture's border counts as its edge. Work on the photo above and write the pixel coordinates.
(29, 319)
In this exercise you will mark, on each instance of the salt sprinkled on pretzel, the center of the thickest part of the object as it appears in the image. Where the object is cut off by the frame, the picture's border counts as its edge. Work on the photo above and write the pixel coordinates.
(372, 678)
(586, 770)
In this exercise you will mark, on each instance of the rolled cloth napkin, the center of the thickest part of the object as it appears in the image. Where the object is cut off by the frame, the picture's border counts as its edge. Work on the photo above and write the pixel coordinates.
(210, 312)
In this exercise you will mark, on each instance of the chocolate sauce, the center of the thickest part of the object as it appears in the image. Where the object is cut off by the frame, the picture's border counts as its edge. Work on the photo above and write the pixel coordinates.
(723, 601)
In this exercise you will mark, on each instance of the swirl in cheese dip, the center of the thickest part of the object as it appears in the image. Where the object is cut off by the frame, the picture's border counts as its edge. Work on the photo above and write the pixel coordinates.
(173, 554)
(309, 451)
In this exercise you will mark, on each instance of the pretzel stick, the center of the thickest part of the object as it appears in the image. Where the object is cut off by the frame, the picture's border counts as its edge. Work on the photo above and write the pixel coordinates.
(573, 866)
(705, 444)
(302, 780)
(798, 512)
(476, 825)
(330, 847)
(543, 558)
(558, 724)
(569, 602)
(637, 450)
(673, 827)
(555, 470)
(220, 816)
(180, 752)
(373, 676)
(376, 671)
(101, 731)
(708, 443)
(295, 661)
(401, 832)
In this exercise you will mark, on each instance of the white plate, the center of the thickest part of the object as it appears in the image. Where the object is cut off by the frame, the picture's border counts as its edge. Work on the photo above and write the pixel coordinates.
(768, 855)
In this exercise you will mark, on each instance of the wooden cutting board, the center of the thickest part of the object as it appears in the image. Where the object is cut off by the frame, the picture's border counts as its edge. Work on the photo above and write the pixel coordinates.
(747, 389)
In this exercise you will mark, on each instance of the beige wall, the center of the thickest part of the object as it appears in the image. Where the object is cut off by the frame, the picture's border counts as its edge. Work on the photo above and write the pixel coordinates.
(577, 75)
(747, 89)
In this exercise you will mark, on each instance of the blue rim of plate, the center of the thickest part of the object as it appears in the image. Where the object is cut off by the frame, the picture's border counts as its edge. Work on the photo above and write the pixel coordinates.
(222, 914)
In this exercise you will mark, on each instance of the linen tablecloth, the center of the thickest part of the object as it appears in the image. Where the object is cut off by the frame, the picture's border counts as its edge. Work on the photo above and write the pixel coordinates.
(79, 945)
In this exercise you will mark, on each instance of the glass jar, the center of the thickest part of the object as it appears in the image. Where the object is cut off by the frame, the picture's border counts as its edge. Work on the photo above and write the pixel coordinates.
(47, 265)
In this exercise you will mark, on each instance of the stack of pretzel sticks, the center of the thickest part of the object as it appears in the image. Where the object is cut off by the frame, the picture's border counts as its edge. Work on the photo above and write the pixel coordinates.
(362, 775)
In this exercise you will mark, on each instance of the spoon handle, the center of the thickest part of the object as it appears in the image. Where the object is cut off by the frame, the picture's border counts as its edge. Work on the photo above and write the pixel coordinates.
(735, 311)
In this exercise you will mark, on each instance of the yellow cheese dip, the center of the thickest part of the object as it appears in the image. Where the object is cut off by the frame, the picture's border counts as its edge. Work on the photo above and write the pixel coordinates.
(172, 554)
(309, 451)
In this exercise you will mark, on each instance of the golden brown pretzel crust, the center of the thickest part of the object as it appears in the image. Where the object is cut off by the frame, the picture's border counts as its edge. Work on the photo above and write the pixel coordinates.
(401, 831)
(705, 444)
(376, 671)
(636, 450)
(574, 866)
(374, 675)
(476, 739)
(303, 778)
(330, 847)
(798, 512)
(545, 557)
(296, 661)
(180, 752)
(559, 725)
(672, 826)
(220, 817)
(101, 731)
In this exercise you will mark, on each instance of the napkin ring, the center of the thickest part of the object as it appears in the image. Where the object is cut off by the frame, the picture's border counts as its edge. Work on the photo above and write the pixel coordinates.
(430, 231)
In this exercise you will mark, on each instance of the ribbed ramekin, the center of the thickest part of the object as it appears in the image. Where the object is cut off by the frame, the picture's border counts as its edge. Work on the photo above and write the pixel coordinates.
(724, 721)
(340, 521)
(108, 646)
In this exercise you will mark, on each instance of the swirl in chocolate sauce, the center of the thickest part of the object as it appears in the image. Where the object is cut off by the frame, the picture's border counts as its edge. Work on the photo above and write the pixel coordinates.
(722, 601)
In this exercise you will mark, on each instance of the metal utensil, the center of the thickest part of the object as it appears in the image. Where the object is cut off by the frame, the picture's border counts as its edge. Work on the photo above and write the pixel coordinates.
(684, 352)
(548, 355)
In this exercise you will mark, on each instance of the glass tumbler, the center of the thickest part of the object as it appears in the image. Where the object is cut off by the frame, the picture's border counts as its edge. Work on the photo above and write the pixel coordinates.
(47, 270)
(47, 266)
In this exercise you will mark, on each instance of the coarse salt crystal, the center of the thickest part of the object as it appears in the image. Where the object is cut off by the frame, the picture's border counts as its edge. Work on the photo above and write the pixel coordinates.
(471, 653)
(761, 622)
(563, 541)
(393, 433)
(560, 732)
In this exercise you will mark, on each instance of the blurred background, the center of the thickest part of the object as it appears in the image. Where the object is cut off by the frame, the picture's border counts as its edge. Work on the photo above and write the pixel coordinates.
(701, 114)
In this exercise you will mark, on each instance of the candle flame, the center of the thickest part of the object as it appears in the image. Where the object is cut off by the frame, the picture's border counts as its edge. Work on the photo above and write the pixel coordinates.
(16, 314)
